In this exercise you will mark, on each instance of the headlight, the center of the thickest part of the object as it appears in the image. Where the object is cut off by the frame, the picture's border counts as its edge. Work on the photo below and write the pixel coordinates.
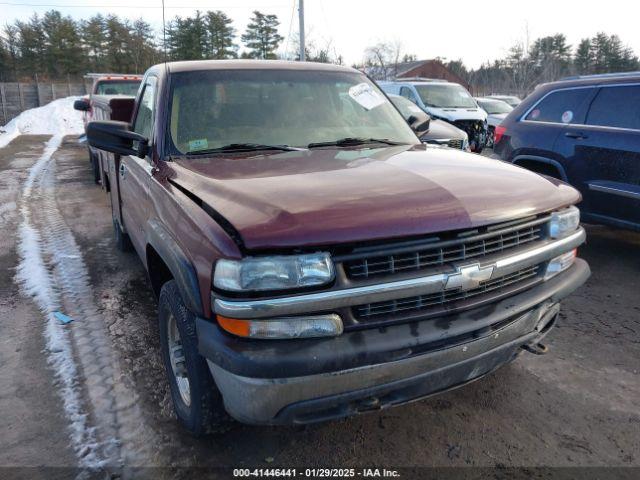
(465, 145)
(273, 273)
(564, 222)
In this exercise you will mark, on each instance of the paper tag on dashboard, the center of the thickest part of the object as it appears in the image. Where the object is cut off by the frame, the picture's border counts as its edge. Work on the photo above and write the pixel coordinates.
(366, 96)
(199, 144)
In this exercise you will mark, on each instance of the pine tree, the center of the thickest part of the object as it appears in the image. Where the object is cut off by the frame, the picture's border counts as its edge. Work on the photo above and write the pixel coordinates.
(10, 53)
(220, 35)
(116, 36)
(32, 46)
(261, 37)
(5, 69)
(619, 57)
(600, 52)
(187, 38)
(94, 40)
(551, 57)
(63, 46)
(141, 46)
(605, 54)
(583, 59)
(197, 37)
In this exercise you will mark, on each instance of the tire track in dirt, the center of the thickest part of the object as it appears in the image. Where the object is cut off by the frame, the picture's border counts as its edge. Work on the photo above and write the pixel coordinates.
(107, 430)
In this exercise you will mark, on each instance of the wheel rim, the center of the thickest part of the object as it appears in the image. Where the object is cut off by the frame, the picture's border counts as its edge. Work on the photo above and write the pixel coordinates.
(176, 358)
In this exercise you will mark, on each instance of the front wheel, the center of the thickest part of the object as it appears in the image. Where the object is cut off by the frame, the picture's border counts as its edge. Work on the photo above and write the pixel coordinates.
(196, 399)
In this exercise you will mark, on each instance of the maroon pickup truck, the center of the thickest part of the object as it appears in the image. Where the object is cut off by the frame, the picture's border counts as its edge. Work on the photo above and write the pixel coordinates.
(111, 98)
(312, 258)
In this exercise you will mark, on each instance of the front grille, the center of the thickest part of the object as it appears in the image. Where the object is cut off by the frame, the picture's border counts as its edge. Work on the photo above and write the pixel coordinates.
(455, 144)
(440, 253)
(438, 302)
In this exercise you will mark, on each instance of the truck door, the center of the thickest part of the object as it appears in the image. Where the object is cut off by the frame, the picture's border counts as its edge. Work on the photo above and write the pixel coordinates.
(605, 151)
(134, 174)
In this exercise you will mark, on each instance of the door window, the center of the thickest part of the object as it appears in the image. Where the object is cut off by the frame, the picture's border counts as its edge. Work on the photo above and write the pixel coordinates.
(144, 119)
(616, 107)
(561, 106)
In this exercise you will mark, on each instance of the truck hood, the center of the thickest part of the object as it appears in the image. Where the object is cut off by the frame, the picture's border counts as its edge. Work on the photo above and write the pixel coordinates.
(441, 130)
(328, 196)
(455, 114)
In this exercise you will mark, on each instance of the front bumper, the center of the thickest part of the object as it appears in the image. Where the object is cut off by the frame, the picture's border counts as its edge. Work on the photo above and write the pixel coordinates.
(304, 381)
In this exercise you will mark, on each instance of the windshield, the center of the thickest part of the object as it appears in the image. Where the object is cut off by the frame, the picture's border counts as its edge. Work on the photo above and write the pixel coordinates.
(493, 107)
(215, 108)
(440, 95)
(118, 87)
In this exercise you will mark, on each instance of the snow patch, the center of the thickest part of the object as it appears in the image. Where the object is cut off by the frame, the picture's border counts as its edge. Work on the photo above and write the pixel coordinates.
(36, 281)
(55, 118)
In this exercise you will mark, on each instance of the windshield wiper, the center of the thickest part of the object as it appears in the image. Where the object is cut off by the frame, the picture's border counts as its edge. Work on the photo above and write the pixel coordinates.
(244, 147)
(353, 141)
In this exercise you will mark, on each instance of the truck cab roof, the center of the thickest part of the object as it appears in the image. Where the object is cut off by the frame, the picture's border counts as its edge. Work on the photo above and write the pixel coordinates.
(200, 65)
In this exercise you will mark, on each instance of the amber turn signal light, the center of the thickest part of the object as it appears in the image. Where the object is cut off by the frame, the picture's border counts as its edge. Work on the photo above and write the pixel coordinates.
(308, 326)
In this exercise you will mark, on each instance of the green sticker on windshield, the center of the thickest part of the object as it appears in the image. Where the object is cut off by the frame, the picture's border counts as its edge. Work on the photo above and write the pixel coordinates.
(199, 144)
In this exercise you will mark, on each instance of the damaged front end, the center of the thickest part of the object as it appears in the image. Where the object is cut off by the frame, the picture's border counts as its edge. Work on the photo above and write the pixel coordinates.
(477, 132)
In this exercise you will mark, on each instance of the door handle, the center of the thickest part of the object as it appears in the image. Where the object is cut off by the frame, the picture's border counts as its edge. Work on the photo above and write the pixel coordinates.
(576, 135)
(123, 169)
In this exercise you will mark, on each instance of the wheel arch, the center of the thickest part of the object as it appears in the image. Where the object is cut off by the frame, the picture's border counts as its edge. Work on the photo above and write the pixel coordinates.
(530, 162)
(166, 261)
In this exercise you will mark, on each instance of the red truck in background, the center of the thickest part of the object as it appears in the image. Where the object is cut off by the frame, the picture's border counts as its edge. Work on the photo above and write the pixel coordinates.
(115, 94)
(311, 258)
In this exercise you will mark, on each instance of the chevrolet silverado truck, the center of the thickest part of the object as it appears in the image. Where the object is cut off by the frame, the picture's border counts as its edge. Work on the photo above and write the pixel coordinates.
(312, 259)
(111, 98)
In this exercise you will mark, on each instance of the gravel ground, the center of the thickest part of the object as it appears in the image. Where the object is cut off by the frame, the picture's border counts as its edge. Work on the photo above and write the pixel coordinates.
(579, 405)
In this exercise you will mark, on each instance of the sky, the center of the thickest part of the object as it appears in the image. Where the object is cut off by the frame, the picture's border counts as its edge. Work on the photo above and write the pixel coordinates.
(476, 31)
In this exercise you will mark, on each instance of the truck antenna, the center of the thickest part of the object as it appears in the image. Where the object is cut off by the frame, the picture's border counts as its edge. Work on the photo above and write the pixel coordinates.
(164, 38)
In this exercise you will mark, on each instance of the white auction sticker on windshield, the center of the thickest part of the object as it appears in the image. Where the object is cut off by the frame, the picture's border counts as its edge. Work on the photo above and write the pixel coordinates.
(366, 96)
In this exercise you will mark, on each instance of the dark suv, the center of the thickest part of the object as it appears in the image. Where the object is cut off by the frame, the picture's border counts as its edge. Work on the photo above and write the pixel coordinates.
(585, 131)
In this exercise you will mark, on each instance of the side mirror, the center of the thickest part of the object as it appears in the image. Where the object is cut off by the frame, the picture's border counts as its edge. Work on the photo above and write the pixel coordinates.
(82, 105)
(116, 137)
(419, 123)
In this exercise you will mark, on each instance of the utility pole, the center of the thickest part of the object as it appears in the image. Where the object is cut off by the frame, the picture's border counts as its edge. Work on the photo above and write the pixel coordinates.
(301, 21)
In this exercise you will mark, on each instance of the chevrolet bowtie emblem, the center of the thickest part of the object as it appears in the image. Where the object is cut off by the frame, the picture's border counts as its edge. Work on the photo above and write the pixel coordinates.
(469, 277)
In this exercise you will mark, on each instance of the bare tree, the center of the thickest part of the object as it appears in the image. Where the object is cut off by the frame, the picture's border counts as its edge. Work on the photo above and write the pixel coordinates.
(315, 50)
(383, 58)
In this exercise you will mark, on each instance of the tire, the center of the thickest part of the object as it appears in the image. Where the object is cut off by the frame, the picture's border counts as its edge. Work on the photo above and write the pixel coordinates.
(123, 242)
(199, 406)
(94, 165)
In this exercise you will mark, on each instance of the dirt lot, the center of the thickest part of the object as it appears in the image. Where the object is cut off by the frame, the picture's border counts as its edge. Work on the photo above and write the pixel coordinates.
(577, 406)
